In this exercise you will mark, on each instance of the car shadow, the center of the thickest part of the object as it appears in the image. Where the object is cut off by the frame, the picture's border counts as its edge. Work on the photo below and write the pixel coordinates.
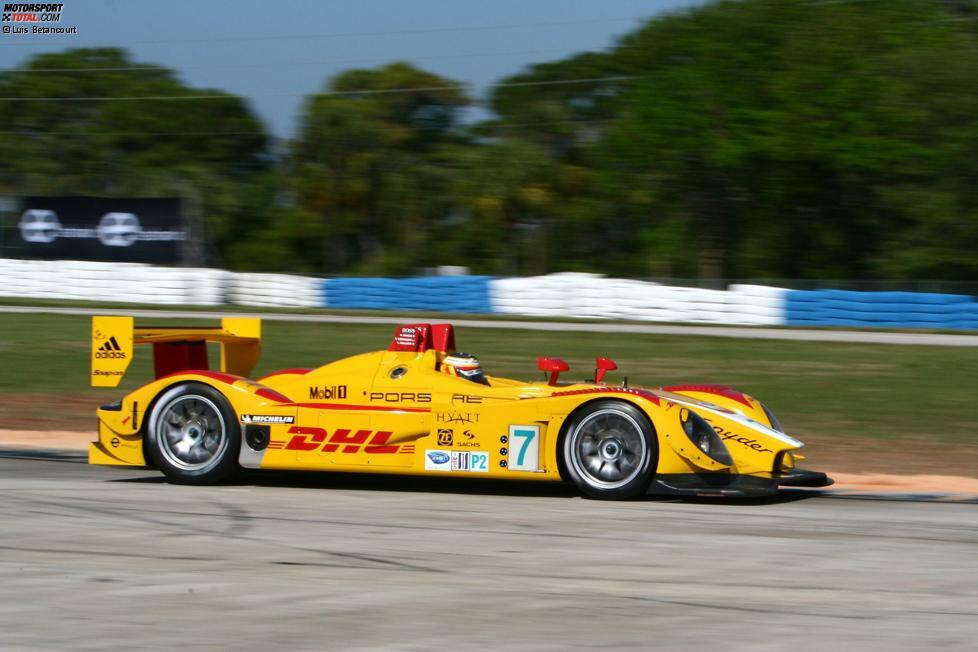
(453, 485)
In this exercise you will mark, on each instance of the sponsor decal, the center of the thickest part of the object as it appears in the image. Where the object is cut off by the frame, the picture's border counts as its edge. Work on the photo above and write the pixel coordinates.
(99, 372)
(439, 458)
(342, 440)
(406, 336)
(39, 226)
(448, 437)
(115, 229)
(401, 397)
(466, 461)
(726, 435)
(702, 406)
(327, 392)
(114, 442)
(457, 417)
(118, 229)
(266, 418)
(476, 461)
(110, 349)
(465, 398)
(467, 440)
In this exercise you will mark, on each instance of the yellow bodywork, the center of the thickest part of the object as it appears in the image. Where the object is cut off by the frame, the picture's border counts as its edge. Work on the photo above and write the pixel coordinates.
(394, 412)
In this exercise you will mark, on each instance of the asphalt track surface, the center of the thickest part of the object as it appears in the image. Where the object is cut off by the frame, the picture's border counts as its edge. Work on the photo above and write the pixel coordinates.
(737, 332)
(111, 559)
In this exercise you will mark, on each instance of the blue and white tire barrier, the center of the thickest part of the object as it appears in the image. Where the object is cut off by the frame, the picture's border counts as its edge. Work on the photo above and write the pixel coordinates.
(431, 293)
(565, 295)
(881, 309)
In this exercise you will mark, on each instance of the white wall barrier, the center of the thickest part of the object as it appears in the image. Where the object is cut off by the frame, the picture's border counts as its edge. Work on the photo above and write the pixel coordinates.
(74, 280)
(555, 295)
(594, 296)
(759, 305)
(276, 290)
(122, 282)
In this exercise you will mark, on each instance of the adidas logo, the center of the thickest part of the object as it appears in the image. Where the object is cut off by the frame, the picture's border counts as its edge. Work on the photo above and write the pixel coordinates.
(110, 349)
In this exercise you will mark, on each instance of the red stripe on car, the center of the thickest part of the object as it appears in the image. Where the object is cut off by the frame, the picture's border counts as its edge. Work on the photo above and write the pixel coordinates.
(272, 395)
(716, 390)
(371, 408)
(611, 390)
(230, 379)
(285, 372)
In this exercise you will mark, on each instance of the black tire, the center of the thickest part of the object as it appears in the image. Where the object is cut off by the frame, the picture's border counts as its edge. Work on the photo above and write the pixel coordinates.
(193, 435)
(610, 450)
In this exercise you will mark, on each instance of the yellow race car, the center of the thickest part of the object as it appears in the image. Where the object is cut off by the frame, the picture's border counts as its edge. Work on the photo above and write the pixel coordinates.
(421, 407)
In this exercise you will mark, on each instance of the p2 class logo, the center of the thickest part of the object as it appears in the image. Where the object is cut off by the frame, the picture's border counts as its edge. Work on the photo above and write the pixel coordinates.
(475, 461)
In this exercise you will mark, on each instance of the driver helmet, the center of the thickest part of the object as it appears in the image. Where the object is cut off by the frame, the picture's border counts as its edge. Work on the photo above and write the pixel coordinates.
(464, 365)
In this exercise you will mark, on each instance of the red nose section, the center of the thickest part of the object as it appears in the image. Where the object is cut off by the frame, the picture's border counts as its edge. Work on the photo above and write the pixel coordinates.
(603, 366)
(553, 366)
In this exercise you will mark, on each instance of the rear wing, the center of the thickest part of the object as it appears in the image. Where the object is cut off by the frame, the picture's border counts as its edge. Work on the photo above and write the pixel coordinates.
(175, 349)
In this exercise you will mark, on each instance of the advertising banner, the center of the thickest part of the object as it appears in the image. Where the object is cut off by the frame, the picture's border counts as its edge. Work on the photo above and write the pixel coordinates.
(95, 228)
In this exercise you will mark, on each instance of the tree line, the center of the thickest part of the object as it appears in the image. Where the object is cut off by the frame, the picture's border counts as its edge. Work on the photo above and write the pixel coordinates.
(759, 138)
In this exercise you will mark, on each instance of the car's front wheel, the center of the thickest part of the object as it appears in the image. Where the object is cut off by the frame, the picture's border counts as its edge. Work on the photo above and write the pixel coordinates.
(193, 435)
(610, 450)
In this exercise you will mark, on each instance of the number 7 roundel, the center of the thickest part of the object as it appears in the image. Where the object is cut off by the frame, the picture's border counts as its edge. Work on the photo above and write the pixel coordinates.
(524, 448)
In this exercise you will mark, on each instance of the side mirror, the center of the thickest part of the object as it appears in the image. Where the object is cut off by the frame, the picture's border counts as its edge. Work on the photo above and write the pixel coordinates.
(603, 366)
(553, 366)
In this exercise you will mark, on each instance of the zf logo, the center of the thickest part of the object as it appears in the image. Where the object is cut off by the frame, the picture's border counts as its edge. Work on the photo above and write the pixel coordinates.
(110, 349)
(445, 437)
(336, 391)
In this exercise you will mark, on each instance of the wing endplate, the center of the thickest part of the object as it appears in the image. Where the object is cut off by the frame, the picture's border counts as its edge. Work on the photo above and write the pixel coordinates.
(179, 348)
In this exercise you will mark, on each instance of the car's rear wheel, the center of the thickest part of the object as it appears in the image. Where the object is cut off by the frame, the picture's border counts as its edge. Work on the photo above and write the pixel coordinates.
(193, 435)
(610, 450)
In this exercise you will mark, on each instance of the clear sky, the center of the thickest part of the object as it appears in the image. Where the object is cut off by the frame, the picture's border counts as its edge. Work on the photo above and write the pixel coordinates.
(275, 51)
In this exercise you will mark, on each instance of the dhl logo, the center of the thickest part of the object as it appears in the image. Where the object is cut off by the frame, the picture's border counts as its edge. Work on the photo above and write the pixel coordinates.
(342, 440)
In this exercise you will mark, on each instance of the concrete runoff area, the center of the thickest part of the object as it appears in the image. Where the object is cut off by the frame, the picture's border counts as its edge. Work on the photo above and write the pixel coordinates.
(100, 558)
